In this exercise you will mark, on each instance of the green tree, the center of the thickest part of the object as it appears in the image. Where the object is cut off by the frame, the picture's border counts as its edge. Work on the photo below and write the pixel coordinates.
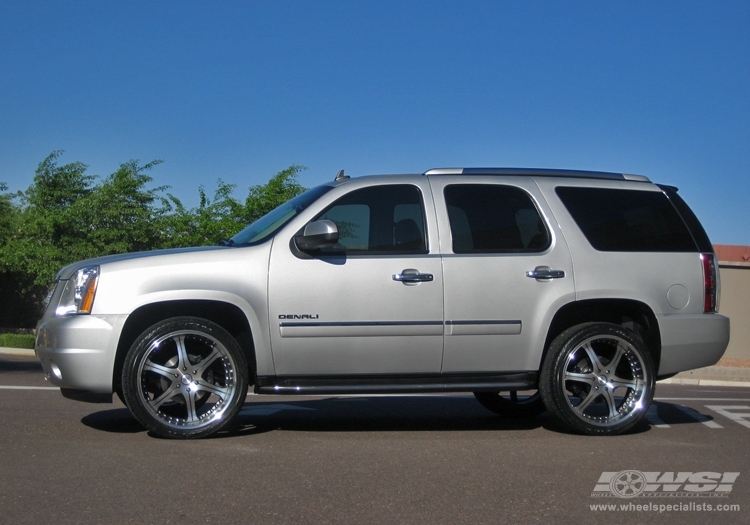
(123, 215)
(67, 215)
(220, 217)
(207, 224)
(47, 231)
(6, 213)
(280, 188)
(64, 217)
(19, 297)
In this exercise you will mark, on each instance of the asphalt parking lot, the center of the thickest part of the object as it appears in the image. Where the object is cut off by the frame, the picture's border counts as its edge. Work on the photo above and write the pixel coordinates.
(399, 459)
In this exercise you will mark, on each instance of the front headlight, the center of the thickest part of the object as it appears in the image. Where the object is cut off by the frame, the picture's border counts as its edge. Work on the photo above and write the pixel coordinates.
(78, 295)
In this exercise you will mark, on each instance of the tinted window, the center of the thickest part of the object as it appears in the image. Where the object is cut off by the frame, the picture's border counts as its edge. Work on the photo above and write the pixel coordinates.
(490, 218)
(379, 220)
(691, 221)
(627, 220)
(265, 227)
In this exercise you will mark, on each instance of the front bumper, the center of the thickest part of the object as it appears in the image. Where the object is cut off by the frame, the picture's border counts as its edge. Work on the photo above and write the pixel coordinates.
(78, 352)
(691, 341)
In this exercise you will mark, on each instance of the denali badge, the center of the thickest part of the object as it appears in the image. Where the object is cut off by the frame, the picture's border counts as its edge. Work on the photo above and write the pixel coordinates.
(299, 316)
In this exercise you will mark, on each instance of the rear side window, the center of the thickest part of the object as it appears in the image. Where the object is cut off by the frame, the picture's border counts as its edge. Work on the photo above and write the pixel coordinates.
(492, 218)
(627, 220)
(692, 222)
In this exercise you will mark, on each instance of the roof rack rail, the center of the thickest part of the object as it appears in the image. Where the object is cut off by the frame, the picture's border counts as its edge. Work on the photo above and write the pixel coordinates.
(537, 173)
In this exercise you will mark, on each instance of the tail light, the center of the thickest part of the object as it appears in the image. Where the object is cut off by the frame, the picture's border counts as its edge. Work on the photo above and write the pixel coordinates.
(710, 283)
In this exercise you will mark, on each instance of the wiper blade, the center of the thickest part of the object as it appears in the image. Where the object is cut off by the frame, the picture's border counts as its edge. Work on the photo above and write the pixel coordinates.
(226, 242)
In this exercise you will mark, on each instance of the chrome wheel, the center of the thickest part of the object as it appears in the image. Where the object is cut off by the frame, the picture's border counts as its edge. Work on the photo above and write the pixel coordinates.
(185, 377)
(598, 378)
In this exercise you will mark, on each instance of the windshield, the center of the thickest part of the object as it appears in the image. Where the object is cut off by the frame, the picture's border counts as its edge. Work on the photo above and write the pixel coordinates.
(265, 227)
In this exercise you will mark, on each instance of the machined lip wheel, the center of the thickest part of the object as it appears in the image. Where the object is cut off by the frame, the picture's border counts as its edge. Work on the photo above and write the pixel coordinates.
(599, 378)
(183, 380)
(187, 378)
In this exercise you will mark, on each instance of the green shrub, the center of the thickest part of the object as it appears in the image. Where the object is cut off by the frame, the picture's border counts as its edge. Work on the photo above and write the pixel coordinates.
(17, 340)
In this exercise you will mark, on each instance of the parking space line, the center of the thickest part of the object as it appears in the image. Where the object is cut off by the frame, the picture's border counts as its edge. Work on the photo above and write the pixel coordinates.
(700, 399)
(697, 416)
(737, 417)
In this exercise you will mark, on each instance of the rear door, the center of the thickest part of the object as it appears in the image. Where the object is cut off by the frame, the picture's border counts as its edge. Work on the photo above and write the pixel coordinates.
(507, 269)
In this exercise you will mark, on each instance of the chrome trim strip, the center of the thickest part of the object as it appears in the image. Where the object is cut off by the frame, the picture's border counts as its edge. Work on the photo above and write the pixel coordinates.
(483, 327)
(366, 323)
(397, 384)
(400, 328)
(362, 329)
(481, 322)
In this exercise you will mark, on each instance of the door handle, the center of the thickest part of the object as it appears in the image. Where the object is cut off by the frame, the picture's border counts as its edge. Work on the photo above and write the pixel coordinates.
(545, 273)
(412, 276)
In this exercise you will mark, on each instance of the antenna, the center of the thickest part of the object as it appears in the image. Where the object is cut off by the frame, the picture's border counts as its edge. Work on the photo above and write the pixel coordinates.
(341, 176)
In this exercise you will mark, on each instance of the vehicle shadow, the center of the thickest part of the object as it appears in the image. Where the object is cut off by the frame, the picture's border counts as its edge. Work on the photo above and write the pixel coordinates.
(344, 414)
(378, 414)
(662, 413)
(24, 364)
(386, 414)
(118, 420)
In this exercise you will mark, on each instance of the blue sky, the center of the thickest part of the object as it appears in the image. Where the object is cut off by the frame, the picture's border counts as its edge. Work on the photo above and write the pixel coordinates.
(241, 90)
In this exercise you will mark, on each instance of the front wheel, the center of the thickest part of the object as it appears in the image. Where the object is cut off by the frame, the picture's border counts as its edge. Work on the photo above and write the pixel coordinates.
(185, 377)
(597, 378)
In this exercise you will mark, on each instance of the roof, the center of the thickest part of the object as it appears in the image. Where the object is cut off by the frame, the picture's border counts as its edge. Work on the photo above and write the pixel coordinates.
(732, 255)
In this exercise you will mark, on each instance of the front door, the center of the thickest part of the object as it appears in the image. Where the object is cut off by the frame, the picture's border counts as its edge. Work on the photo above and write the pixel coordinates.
(371, 304)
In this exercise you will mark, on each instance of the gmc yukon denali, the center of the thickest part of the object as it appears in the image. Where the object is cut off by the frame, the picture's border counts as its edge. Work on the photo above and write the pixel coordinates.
(565, 291)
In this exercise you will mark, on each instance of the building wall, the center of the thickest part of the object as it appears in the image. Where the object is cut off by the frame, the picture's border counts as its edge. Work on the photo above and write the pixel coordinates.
(735, 304)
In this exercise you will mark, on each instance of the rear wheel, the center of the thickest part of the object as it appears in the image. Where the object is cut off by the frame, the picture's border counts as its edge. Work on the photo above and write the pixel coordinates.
(597, 378)
(185, 377)
(512, 404)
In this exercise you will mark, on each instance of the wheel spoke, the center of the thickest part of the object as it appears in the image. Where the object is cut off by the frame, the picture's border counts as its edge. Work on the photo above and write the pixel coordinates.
(586, 401)
(612, 366)
(609, 398)
(164, 371)
(589, 379)
(192, 413)
(182, 357)
(166, 396)
(596, 364)
(222, 392)
(213, 356)
(625, 383)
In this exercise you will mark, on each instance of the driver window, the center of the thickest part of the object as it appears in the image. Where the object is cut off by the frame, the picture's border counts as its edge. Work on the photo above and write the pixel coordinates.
(378, 220)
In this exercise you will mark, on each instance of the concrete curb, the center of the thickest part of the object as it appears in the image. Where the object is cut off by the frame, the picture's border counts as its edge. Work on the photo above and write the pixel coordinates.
(701, 382)
(17, 351)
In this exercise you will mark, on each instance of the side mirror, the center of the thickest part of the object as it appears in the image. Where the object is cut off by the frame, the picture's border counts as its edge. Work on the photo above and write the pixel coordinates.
(317, 234)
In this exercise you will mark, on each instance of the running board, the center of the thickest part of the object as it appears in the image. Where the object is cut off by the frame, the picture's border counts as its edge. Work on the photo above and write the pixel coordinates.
(421, 384)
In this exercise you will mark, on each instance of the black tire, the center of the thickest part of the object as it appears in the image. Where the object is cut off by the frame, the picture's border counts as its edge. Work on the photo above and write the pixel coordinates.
(597, 379)
(510, 404)
(185, 377)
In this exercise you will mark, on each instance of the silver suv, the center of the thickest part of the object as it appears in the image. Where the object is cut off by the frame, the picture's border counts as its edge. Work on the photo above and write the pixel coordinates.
(565, 291)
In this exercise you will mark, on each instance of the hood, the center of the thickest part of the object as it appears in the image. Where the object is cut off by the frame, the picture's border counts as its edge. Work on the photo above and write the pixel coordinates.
(69, 270)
